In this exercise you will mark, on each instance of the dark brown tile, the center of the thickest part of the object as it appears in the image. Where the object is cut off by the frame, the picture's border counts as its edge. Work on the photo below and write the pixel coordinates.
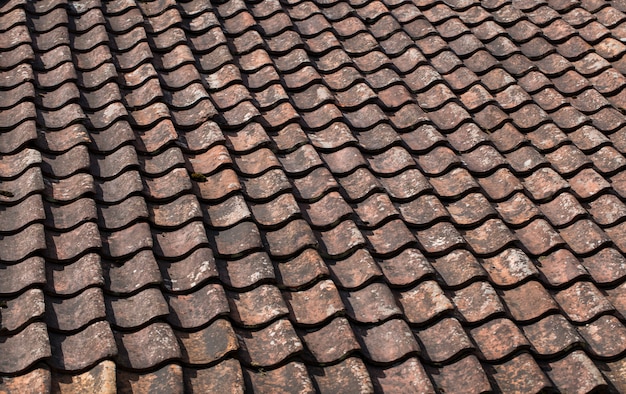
(75, 313)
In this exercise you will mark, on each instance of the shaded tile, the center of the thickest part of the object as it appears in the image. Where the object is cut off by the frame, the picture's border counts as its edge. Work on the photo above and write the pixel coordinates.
(253, 308)
(350, 373)
(575, 372)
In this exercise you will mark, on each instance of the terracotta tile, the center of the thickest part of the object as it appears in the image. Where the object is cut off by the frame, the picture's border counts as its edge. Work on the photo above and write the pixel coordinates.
(187, 272)
(423, 302)
(167, 378)
(477, 302)
(67, 351)
(354, 270)
(136, 310)
(409, 374)
(605, 267)
(521, 373)
(607, 209)
(371, 304)
(584, 236)
(275, 212)
(342, 336)
(301, 270)
(134, 345)
(497, 339)
(303, 309)
(25, 348)
(582, 302)
(538, 237)
(75, 313)
(544, 183)
(290, 239)
(608, 160)
(99, 378)
(169, 214)
(441, 348)
(465, 374)
(528, 301)
(121, 276)
(291, 376)
(608, 344)
(209, 344)
(257, 306)
(440, 238)
(586, 378)
(226, 244)
(261, 187)
(389, 238)
(21, 310)
(225, 376)
(349, 373)
(387, 342)
(301, 160)
(552, 335)
(458, 267)
(255, 344)
(560, 267)
(489, 238)
(405, 268)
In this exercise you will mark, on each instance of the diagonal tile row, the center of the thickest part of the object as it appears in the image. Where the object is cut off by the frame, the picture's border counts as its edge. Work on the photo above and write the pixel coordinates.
(307, 196)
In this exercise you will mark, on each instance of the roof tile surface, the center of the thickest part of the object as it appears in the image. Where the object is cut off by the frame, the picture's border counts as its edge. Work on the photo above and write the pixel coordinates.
(312, 196)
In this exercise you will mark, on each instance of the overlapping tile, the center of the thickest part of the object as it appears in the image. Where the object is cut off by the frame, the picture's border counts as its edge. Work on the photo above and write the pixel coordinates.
(205, 193)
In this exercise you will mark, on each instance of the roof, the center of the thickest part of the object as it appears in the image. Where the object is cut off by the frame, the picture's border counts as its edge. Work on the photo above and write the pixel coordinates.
(300, 196)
